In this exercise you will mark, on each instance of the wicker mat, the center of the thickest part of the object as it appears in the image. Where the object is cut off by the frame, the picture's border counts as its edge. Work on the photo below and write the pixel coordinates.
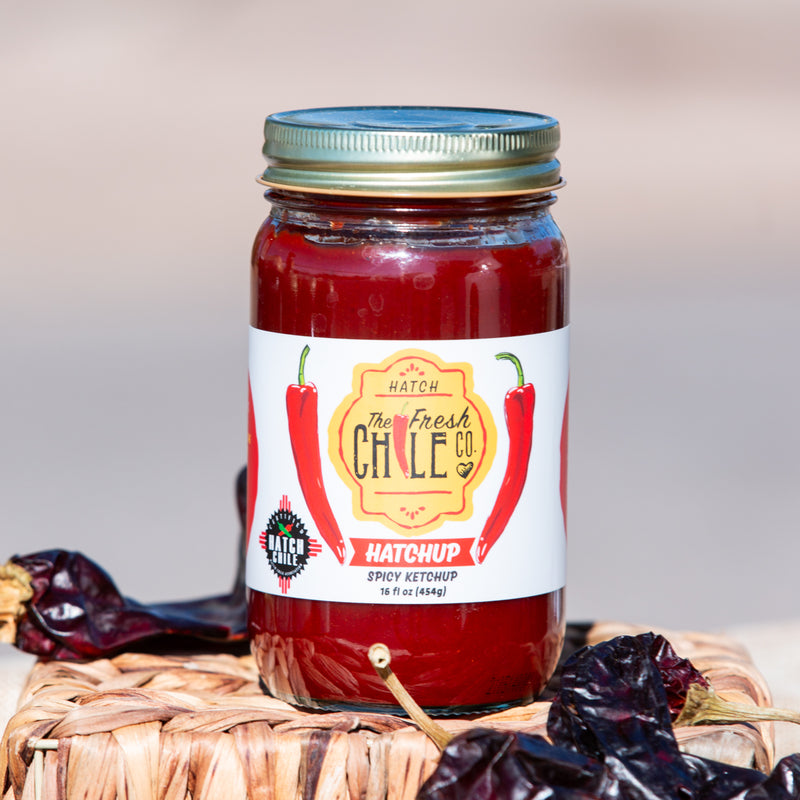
(141, 726)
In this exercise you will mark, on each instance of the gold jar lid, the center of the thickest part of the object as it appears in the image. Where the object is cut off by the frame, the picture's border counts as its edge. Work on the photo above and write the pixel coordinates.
(412, 151)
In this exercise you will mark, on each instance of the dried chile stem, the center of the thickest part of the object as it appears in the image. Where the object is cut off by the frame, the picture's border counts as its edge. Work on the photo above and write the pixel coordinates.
(15, 591)
(380, 658)
(704, 706)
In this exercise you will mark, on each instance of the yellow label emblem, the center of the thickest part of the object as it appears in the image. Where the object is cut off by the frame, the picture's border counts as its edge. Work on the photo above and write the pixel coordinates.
(412, 441)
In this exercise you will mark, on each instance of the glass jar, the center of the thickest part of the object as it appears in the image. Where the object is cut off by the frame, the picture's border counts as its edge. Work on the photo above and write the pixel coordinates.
(408, 408)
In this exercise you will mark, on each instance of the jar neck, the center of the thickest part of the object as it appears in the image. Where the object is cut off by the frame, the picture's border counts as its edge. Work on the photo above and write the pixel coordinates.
(410, 208)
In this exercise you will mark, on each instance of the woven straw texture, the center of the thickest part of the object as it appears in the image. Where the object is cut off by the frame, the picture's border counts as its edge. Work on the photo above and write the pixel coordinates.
(141, 726)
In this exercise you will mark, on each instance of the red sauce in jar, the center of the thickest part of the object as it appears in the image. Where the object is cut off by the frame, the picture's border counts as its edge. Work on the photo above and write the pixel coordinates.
(399, 269)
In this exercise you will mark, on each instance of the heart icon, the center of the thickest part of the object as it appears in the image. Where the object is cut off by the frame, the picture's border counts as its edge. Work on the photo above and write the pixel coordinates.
(464, 469)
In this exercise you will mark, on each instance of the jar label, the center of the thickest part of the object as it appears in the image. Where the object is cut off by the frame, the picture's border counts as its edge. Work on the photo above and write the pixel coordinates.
(407, 472)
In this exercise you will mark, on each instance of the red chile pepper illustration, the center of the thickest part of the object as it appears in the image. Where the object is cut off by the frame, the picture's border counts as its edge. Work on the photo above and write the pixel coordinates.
(252, 464)
(399, 430)
(519, 421)
(301, 407)
(562, 485)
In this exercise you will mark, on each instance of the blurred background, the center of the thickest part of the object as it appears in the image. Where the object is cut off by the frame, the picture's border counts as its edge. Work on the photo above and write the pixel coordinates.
(129, 146)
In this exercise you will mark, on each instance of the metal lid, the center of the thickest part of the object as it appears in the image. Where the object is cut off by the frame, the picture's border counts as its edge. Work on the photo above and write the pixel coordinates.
(413, 151)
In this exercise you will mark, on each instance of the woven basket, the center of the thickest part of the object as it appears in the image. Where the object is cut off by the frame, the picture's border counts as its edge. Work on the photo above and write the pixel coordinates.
(141, 726)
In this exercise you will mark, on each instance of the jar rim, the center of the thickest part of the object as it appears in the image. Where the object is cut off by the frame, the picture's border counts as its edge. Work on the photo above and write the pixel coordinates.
(412, 151)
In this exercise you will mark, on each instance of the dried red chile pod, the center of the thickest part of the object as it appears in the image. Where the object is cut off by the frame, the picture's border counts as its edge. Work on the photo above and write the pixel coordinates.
(677, 674)
(485, 764)
(77, 611)
(492, 765)
(612, 705)
(782, 784)
(612, 714)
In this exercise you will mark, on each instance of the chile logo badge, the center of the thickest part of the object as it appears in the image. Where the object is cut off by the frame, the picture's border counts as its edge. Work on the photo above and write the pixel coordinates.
(287, 544)
(412, 441)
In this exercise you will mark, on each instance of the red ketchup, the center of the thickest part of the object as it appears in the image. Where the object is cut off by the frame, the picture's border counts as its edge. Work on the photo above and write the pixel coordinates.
(408, 383)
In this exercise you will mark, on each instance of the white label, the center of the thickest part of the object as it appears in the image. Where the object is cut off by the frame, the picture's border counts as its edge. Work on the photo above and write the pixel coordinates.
(407, 472)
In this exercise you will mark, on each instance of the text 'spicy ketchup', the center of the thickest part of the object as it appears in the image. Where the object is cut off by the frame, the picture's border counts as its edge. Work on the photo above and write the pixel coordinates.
(408, 406)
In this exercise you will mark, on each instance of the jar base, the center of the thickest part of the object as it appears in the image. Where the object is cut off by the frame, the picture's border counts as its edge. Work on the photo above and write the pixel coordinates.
(395, 710)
